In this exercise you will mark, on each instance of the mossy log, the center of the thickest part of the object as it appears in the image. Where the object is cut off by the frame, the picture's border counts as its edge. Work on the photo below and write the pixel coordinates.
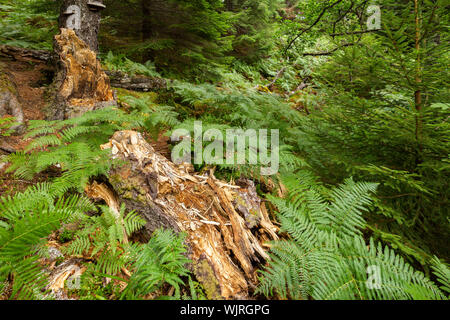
(24, 54)
(122, 80)
(227, 225)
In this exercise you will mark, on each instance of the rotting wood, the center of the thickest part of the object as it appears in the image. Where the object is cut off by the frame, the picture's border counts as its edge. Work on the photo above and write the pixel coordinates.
(80, 84)
(225, 245)
(23, 54)
(122, 80)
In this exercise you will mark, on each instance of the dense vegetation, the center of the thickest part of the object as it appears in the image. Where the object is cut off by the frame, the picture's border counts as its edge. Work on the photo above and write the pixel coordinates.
(364, 142)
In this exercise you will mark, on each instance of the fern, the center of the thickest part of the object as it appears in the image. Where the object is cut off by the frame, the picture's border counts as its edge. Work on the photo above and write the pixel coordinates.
(102, 238)
(442, 272)
(122, 63)
(73, 146)
(328, 257)
(27, 218)
(158, 262)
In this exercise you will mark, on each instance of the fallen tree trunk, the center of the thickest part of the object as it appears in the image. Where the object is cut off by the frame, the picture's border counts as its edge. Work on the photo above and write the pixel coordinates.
(120, 79)
(23, 54)
(226, 225)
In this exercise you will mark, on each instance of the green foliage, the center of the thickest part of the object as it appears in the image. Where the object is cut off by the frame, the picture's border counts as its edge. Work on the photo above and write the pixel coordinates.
(442, 273)
(182, 37)
(28, 24)
(122, 63)
(103, 237)
(253, 28)
(162, 260)
(224, 108)
(364, 121)
(5, 126)
(73, 146)
(25, 220)
(328, 257)
(157, 118)
(358, 115)
(66, 236)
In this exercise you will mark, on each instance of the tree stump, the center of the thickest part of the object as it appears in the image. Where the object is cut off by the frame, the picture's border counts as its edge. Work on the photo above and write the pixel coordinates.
(226, 225)
(82, 16)
(80, 85)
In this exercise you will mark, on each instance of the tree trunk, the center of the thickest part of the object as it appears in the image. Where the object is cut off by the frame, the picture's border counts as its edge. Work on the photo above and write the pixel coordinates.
(82, 16)
(418, 80)
(146, 20)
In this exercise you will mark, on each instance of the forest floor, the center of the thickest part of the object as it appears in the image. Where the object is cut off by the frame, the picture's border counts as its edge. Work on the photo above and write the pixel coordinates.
(31, 80)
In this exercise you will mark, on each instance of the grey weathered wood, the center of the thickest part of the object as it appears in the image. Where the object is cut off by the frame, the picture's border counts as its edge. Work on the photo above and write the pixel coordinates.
(25, 54)
(85, 22)
(120, 79)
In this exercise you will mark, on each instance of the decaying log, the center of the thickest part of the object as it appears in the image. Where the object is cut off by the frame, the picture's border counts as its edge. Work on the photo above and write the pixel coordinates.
(23, 54)
(120, 79)
(226, 225)
(101, 191)
(9, 101)
(58, 277)
(80, 84)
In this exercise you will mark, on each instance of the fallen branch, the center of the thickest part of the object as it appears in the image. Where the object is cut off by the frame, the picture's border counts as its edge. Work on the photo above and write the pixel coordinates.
(122, 80)
(24, 54)
(7, 150)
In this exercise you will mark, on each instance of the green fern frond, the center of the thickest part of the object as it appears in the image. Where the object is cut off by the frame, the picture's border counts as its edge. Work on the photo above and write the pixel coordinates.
(28, 218)
(160, 261)
(328, 258)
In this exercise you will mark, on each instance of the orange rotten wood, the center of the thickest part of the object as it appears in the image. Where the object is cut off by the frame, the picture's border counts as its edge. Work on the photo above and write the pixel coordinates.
(226, 225)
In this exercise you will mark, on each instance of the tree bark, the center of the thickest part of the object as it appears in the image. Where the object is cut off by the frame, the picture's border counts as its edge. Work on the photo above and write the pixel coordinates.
(85, 22)
(80, 84)
(418, 80)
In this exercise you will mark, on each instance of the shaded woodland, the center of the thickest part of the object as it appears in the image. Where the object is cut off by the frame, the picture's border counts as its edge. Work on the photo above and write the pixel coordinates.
(94, 206)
